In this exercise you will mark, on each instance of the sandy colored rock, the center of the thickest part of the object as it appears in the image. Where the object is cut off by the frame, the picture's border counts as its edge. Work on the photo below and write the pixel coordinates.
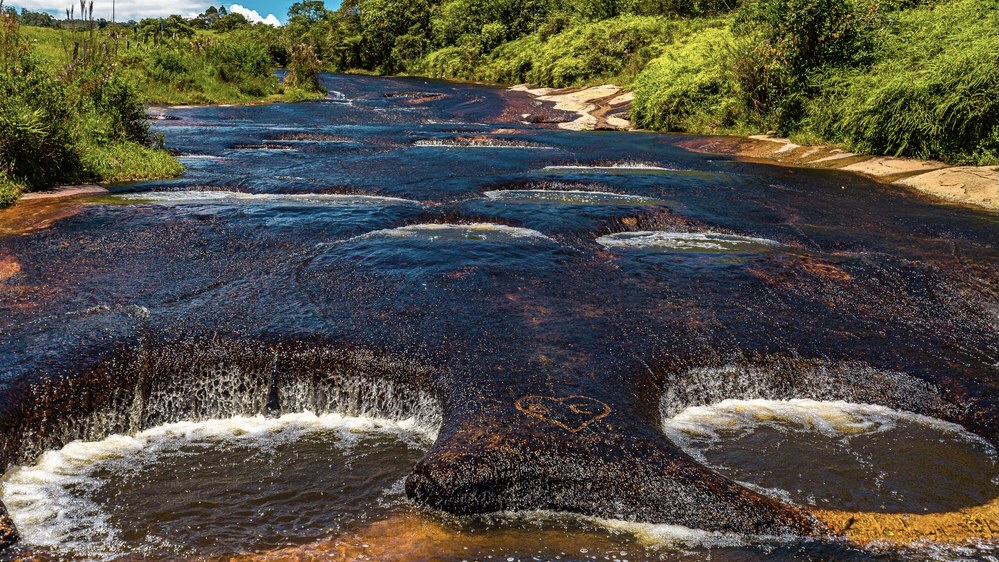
(883, 166)
(8, 268)
(967, 185)
(66, 191)
(593, 106)
(963, 184)
(970, 524)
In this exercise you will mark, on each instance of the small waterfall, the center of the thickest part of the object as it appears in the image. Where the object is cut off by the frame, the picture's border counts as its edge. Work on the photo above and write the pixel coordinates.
(197, 381)
(786, 378)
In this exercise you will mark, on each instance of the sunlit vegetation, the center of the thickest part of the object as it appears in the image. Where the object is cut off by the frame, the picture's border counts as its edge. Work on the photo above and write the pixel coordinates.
(79, 121)
(903, 77)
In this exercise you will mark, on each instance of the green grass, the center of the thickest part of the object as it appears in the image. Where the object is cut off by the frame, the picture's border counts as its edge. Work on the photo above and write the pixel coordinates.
(10, 189)
(172, 73)
(931, 91)
(128, 161)
(925, 88)
(689, 88)
(66, 122)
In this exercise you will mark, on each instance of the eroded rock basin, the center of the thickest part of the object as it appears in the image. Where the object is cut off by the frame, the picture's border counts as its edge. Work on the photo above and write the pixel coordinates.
(330, 485)
(543, 299)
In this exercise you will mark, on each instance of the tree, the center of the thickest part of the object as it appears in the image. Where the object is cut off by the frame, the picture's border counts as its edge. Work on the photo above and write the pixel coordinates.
(308, 11)
(230, 22)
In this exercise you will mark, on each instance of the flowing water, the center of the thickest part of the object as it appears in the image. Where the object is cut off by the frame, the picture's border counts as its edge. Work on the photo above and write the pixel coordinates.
(410, 322)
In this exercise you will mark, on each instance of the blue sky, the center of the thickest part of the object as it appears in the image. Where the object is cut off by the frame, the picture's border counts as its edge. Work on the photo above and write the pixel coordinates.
(138, 9)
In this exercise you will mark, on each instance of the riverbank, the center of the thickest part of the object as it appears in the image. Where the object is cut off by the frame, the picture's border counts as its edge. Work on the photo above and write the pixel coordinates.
(39, 209)
(607, 107)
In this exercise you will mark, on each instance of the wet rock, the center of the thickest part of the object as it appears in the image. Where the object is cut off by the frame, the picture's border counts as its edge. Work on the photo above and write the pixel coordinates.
(8, 533)
(582, 455)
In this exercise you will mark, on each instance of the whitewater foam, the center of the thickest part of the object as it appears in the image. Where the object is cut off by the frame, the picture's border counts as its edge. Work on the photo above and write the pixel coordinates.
(49, 501)
(633, 167)
(572, 197)
(447, 231)
(828, 418)
(687, 242)
(235, 197)
(479, 143)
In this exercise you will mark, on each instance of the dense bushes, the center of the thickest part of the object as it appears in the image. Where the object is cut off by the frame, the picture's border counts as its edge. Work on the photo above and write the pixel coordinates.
(84, 123)
(930, 91)
(894, 78)
(689, 88)
(205, 69)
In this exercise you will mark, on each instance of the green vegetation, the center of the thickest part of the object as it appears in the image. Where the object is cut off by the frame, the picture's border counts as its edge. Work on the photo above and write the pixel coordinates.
(903, 77)
(72, 91)
(84, 122)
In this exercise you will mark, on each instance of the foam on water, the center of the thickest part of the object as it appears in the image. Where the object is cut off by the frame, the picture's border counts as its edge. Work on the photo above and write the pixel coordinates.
(50, 500)
(885, 460)
(571, 197)
(479, 143)
(661, 535)
(235, 197)
(708, 242)
(828, 418)
(470, 231)
(623, 167)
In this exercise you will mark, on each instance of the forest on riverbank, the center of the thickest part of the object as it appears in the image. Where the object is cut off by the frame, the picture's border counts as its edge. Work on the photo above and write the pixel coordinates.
(899, 77)
(910, 78)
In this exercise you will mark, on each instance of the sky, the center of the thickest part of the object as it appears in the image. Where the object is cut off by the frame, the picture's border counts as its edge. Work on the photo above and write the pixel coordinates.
(273, 12)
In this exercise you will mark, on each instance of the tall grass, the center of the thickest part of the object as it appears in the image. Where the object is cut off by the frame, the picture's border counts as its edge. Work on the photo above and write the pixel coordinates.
(907, 79)
(82, 122)
(932, 90)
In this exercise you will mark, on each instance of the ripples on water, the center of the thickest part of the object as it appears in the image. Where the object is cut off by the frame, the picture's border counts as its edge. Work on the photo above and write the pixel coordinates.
(386, 221)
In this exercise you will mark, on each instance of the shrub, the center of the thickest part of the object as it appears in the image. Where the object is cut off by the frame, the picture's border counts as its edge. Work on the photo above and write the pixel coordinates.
(10, 189)
(932, 91)
(781, 43)
(166, 64)
(303, 70)
(689, 88)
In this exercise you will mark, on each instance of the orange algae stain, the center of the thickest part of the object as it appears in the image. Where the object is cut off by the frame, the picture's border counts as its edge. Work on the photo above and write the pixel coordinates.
(410, 537)
(8, 268)
(36, 214)
(979, 523)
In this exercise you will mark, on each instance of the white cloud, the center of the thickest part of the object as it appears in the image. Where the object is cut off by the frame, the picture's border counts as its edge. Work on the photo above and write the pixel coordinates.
(254, 16)
(124, 10)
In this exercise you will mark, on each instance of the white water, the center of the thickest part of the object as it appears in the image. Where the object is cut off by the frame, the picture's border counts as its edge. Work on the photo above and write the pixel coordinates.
(687, 242)
(235, 197)
(479, 143)
(471, 231)
(49, 500)
(616, 167)
(839, 454)
(571, 197)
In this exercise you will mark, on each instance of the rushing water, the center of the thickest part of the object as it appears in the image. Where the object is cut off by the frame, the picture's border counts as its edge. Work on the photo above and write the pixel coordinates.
(573, 314)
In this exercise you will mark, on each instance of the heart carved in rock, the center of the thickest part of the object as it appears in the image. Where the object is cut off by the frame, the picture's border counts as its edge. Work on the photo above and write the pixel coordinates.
(571, 413)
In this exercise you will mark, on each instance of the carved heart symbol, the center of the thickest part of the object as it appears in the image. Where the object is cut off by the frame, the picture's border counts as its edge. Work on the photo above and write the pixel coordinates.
(571, 413)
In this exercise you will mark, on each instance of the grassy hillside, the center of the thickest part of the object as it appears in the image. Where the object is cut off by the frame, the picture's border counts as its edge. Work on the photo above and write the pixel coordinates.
(64, 124)
(72, 97)
(206, 67)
